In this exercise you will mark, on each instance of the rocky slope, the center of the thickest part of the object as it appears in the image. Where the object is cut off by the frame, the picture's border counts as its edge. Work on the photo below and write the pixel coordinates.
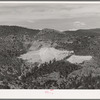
(46, 54)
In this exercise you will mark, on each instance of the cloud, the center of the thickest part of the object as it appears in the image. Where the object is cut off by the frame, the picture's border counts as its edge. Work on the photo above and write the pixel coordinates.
(47, 11)
(18, 13)
(78, 24)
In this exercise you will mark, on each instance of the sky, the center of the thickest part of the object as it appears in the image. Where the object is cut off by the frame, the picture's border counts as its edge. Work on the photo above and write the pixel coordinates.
(59, 16)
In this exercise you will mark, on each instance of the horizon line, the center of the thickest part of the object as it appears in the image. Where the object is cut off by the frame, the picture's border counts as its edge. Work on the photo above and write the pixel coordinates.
(50, 28)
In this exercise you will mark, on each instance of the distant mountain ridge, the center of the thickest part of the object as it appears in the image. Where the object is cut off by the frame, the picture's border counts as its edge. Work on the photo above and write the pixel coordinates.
(83, 41)
(17, 30)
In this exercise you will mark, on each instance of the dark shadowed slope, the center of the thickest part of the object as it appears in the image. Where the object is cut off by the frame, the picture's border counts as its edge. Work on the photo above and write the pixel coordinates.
(16, 30)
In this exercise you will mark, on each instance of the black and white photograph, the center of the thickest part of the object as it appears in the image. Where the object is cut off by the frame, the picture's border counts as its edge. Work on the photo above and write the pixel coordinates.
(49, 45)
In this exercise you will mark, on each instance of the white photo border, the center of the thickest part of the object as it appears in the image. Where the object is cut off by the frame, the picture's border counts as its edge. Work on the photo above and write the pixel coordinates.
(46, 93)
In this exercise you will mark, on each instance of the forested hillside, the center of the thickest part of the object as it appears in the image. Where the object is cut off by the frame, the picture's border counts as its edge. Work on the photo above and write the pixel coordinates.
(16, 73)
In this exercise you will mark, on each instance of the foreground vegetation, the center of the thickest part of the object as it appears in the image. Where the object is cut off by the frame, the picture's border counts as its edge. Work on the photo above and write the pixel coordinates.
(18, 74)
